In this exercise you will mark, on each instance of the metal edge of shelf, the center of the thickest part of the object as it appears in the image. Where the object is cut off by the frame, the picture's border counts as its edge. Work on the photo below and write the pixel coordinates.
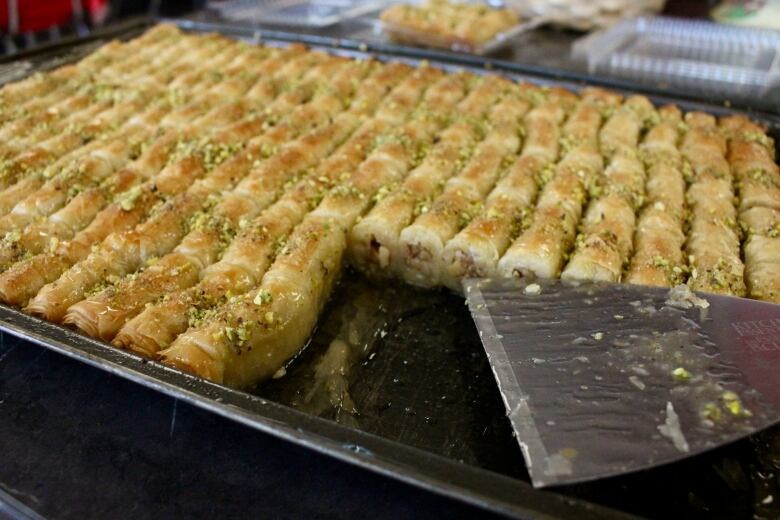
(120, 29)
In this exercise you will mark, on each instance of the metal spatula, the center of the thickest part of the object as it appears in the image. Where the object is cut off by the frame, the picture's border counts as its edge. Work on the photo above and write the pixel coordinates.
(604, 379)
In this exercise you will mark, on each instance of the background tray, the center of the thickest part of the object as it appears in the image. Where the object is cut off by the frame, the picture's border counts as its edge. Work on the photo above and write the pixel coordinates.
(407, 36)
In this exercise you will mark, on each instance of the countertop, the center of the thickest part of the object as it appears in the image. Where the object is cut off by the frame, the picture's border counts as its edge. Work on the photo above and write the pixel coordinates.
(80, 443)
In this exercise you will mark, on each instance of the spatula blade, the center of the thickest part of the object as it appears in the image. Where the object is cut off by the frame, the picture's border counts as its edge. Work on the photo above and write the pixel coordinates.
(605, 379)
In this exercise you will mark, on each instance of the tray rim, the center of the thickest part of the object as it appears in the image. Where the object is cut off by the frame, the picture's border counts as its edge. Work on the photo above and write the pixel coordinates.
(444, 476)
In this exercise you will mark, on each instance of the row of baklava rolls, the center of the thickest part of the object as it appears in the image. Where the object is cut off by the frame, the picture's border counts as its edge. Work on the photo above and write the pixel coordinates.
(605, 189)
(194, 199)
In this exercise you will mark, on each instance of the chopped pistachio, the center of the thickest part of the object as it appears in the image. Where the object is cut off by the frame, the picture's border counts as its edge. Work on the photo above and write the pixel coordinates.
(263, 296)
(680, 374)
(128, 200)
(733, 404)
(13, 236)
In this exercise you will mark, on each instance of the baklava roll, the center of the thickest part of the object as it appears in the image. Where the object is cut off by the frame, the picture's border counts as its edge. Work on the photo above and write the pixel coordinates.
(539, 251)
(663, 161)
(623, 128)
(659, 239)
(741, 129)
(760, 221)
(751, 156)
(756, 173)
(713, 244)
(704, 148)
(604, 243)
(762, 266)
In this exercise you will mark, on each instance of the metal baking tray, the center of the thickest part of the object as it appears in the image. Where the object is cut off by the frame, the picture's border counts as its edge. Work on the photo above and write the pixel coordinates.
(448, 435)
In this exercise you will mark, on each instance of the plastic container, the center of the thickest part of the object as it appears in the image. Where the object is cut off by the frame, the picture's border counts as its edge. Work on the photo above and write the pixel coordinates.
(696, 57)
(295, 13)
